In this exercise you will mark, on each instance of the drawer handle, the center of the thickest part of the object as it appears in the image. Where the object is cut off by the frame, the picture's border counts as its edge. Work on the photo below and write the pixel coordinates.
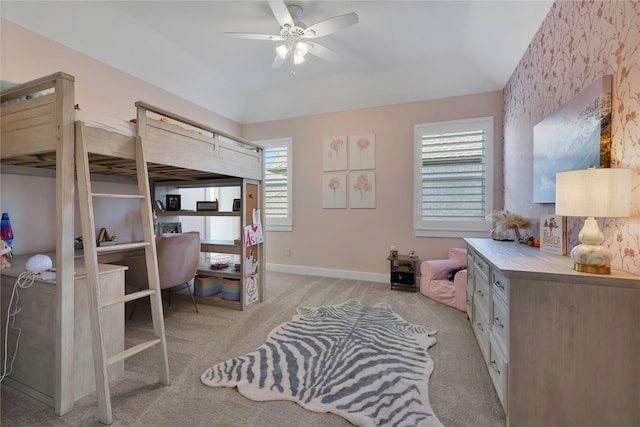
(494, 365)
(480, 326)
(479, 291)
(498, 284)
(497, 322)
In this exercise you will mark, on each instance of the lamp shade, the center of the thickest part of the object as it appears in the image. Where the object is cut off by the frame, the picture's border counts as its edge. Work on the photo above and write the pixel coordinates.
(594, 192)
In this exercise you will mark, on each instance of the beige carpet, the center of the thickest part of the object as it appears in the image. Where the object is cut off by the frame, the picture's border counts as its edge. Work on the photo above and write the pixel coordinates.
(460, 390)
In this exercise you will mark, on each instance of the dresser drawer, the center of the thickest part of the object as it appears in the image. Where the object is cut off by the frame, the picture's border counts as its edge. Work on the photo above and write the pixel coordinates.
(469, 299)
(500, 323)
(498, 365)
(481, 329)
(481, 267)
(500, 284)
(482, 295)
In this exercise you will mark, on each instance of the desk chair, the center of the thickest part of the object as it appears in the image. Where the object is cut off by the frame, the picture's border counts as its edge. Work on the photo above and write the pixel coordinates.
(178, 260)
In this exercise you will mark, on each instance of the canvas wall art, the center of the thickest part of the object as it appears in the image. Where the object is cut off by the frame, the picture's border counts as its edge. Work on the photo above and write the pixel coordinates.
(334, 153)
(334, 191)
(362, 152)
(573, 137)
(362, 190)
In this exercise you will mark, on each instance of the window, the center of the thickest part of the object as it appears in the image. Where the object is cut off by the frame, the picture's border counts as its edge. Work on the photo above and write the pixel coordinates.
(453, 178)
(277, 184)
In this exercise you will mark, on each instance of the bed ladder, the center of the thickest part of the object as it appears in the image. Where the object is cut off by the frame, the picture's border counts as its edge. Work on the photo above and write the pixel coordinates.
(96, 304)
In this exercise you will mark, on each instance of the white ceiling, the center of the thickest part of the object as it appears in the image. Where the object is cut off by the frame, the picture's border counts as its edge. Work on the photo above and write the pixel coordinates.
(400, 51)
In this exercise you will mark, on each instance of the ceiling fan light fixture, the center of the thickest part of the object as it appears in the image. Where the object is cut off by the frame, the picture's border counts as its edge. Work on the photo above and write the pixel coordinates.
(298, 59)
(282, 51)
(302, 48)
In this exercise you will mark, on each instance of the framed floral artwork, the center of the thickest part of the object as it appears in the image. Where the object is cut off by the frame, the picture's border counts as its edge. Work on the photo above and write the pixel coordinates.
(362, 190)
(362, 151)
(334, 153)
(334, 191)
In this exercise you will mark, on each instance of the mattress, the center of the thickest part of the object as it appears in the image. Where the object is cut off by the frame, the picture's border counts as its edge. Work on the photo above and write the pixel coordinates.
(110, 124)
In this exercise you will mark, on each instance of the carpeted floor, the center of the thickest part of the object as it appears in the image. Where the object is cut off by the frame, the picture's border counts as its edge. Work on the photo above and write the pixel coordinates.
(460, 390)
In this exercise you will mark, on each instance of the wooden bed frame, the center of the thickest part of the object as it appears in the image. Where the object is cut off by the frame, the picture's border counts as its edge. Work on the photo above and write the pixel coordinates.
(41, 132)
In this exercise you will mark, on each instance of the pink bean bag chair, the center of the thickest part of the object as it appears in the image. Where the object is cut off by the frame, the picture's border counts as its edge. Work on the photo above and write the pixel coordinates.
(435, 278)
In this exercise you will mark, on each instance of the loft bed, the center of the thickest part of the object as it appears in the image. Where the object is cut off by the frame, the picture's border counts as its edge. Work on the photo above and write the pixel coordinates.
(40, 125)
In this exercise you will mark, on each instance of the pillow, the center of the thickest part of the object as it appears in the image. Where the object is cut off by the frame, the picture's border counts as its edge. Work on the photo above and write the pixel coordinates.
(452, 273)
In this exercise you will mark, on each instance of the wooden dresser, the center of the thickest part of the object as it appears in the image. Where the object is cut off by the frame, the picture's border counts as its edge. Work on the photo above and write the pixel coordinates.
(36, 367)
(562, 347)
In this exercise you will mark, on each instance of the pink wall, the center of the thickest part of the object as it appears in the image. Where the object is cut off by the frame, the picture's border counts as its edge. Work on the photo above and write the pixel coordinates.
(359, 239)
(99, 89)
(577, 43)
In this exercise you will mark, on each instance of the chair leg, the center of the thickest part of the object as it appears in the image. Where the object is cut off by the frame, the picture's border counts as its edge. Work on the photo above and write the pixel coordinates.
(193, 300)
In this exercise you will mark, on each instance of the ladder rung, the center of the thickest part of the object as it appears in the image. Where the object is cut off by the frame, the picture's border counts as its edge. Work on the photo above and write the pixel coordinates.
(128, 297)
(122, 247)
(118, 196)
(133, 350)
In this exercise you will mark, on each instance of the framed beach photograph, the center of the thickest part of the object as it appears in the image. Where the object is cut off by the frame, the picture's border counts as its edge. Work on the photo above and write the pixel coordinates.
(169, 227)
(173, 202)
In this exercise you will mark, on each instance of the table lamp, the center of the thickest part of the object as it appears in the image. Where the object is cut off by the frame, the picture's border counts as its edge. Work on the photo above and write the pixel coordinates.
(593, 193)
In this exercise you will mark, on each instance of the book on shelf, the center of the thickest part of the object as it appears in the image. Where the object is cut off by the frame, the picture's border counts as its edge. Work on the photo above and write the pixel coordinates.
(554, 236)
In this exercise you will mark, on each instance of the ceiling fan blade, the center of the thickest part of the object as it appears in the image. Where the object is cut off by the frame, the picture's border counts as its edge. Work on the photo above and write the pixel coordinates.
(331, 25)
(323, 52)
(281, 12)
(268, 37)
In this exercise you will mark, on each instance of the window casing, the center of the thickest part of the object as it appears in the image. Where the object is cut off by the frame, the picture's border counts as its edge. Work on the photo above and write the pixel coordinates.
(453, 190)
(277, 184)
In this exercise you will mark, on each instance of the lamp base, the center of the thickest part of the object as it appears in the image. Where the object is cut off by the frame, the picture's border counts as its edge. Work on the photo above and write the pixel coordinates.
(593, 259)
(593, 269)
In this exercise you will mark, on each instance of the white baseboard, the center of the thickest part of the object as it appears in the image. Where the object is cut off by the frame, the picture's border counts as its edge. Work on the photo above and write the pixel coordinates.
(328, 272)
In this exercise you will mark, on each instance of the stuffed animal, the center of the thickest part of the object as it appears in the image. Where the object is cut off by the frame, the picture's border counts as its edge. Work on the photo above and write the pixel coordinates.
(5, 254)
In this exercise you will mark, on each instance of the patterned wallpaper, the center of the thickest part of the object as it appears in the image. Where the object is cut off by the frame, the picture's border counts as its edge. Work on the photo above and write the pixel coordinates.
(578, 42)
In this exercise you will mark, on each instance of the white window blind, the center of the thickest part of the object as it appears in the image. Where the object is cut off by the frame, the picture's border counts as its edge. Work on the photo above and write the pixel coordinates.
(277, 184)
(453, 176)
(453, 185)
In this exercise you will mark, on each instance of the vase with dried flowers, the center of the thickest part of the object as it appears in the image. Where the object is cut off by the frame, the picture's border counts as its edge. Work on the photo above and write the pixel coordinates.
(507, 225)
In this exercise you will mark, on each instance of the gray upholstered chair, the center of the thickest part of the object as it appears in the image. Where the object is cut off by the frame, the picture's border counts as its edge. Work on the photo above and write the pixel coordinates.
(178, 260)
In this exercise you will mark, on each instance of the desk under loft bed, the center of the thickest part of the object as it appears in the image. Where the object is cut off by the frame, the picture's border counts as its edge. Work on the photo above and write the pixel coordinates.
(39, 129)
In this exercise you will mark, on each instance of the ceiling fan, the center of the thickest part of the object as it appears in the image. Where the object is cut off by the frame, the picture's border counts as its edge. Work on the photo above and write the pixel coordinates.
(298, 40)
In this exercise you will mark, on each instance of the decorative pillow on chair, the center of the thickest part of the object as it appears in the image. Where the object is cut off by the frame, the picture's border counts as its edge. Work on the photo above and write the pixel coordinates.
(453, 272)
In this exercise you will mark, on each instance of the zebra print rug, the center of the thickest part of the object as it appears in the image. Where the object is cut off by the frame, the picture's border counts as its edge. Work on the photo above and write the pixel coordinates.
(365, 364)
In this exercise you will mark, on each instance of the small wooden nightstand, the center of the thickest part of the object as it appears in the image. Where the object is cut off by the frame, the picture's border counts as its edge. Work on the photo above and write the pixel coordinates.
(403, 271)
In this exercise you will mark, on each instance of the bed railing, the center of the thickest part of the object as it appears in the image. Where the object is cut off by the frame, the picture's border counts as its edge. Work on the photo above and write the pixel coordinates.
(33, 114)
(178, 141)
